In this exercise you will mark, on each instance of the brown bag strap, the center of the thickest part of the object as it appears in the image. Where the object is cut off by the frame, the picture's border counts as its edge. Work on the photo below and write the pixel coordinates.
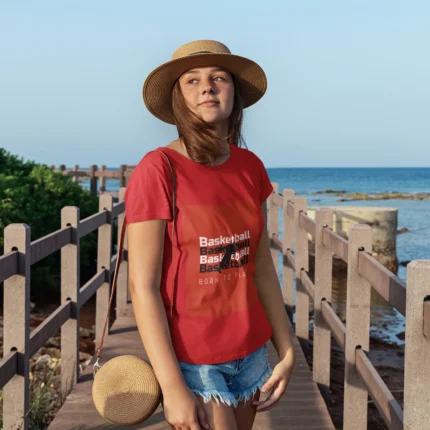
(120, 256)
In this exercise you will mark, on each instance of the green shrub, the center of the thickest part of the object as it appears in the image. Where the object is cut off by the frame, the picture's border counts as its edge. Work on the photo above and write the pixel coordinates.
(33, 194)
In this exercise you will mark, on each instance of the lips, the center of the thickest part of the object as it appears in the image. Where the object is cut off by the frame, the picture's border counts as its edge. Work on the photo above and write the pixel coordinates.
(209, 103)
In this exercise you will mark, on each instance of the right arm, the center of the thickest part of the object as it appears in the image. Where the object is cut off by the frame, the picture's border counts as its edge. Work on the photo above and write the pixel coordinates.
(145, 250)
(145, 244)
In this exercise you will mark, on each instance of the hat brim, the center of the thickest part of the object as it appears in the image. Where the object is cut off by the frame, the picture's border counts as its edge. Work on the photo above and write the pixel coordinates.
(158, 86)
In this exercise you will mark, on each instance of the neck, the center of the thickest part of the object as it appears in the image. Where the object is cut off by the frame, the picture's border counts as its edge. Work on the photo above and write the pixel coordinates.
(222, 131)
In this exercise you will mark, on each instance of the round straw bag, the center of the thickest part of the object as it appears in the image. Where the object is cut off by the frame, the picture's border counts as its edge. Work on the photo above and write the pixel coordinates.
(125, 389)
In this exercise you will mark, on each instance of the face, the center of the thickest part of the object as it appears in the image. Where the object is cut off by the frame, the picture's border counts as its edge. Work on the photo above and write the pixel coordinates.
(209, 92)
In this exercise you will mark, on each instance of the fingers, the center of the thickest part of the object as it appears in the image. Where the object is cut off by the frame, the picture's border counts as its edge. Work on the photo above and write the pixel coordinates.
(202, 419)
(278, 390)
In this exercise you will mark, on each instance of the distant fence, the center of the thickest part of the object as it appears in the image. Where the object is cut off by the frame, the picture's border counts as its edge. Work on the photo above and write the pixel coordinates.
(95, 174)
(19, 345)
(364, 272)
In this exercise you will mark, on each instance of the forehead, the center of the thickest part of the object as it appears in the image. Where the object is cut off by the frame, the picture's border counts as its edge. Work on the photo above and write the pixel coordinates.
(205, 69)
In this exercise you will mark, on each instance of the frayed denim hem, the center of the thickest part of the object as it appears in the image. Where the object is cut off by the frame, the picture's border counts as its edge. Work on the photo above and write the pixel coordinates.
(233, 399)
(226, 398)
(250, 392)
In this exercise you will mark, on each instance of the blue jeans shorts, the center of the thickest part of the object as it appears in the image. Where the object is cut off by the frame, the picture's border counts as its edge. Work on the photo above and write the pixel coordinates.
(229, 382)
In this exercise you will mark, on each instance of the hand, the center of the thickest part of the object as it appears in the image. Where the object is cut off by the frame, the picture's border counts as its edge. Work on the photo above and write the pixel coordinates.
(183, 410)
(278, 381)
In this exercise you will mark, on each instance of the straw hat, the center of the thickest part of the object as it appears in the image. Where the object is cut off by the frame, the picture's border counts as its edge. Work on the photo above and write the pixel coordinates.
(158, 86)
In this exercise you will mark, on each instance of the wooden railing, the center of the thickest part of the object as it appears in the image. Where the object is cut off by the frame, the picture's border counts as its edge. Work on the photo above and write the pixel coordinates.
(364, 272)
(95, 174)
(20, 253)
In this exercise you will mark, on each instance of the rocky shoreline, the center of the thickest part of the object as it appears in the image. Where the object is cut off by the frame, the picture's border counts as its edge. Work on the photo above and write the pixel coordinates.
(349, 197)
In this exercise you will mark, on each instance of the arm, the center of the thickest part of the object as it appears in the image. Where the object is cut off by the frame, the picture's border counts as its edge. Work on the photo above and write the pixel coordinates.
(145, 243)
(269, 292)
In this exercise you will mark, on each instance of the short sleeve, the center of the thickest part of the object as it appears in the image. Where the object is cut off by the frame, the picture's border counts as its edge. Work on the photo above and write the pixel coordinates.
(266, 187)
(149, 190)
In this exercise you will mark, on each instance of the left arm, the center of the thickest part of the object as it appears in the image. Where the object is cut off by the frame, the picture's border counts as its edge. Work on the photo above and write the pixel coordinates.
(270, 295)
(269, 292)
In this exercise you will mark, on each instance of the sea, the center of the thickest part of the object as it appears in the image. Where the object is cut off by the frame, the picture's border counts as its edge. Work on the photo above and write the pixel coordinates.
(386, 323)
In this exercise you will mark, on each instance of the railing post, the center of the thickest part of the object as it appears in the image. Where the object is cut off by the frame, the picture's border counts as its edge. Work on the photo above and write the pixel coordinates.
(62, 167)
(70, 284)
(93, 179)
(103, 179)
(288, 242)
(417, 349)
(302, 263)
(323, 289)
(122, 169)
(16, 333)
(274, 224)
(122, 285)
(357, 328)
(104, 254)
(75, 178)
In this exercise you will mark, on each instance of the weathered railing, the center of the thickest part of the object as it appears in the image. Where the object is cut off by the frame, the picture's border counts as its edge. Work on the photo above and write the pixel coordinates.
(364, 272)
(19, 344)
(95, 174)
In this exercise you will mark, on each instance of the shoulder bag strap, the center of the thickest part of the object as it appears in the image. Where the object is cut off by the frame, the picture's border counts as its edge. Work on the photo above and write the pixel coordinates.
(120, 256)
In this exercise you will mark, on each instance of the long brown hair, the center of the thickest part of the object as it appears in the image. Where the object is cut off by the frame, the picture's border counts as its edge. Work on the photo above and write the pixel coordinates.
(199, 137)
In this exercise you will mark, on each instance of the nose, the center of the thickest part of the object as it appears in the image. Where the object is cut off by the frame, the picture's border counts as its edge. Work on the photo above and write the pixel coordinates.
(207, 87)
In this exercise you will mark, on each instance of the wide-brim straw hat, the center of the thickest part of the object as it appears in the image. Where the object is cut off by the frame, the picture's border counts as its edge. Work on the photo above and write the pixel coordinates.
(158, 86)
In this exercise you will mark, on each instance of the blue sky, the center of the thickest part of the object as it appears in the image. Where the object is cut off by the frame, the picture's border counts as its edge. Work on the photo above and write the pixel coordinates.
(348, 81)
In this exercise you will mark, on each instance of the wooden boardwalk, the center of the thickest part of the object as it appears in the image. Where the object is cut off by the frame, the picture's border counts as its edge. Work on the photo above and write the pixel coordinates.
(301, 407)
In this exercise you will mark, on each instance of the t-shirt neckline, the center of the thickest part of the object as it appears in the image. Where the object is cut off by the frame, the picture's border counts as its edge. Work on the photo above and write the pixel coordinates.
(203, 166)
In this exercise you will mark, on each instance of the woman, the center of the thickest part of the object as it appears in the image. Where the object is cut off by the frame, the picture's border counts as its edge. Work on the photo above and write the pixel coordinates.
(205, 293)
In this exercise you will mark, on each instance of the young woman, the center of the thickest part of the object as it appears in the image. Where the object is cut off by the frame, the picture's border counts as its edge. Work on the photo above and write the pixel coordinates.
(204, 288)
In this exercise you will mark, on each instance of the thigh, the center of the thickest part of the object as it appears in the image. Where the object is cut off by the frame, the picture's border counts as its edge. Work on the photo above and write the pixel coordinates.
(220, 416)
(245, 413)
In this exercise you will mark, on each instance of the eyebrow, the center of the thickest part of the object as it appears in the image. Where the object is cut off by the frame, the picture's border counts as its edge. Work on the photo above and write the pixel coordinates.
(198, 71)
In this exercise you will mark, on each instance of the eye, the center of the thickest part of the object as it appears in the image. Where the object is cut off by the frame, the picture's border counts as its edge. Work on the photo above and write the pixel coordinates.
(220, 77)
(190, 81)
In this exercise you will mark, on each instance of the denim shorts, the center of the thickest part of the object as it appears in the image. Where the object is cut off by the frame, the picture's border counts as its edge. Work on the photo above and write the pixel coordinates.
(229, 382)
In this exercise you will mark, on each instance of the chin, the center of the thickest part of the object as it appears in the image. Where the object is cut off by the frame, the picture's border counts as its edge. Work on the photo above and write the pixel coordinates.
(213, 119)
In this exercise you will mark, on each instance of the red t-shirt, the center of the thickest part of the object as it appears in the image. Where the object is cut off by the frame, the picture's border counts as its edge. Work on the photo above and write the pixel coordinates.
(217, 315)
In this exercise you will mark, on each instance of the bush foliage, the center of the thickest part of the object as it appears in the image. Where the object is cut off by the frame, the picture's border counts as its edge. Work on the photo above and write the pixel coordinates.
(33, 194)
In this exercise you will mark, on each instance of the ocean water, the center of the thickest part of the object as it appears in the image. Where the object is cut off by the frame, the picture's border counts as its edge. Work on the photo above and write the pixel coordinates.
(413, 214)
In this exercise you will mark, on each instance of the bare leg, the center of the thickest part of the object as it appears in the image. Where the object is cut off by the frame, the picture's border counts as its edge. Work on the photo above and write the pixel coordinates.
(220, 416)
(245, 413)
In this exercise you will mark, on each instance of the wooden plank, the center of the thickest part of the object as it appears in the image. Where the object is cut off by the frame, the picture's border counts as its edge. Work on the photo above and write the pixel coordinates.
(8, 265)
(336, 326)
(336, 243)
(302, 262)
(92, 223)
(119, 208)
(323, 292)
(288, 266)
(355, 406)
(49, 327)
(8, 367)
(417, 348)
(16, 332)
(308, 224)
(47, 245)
(308, 284)
(273, 223)
(91, 287)
(386, 283)
(387, 405)
(300, 402)
(278, 200)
